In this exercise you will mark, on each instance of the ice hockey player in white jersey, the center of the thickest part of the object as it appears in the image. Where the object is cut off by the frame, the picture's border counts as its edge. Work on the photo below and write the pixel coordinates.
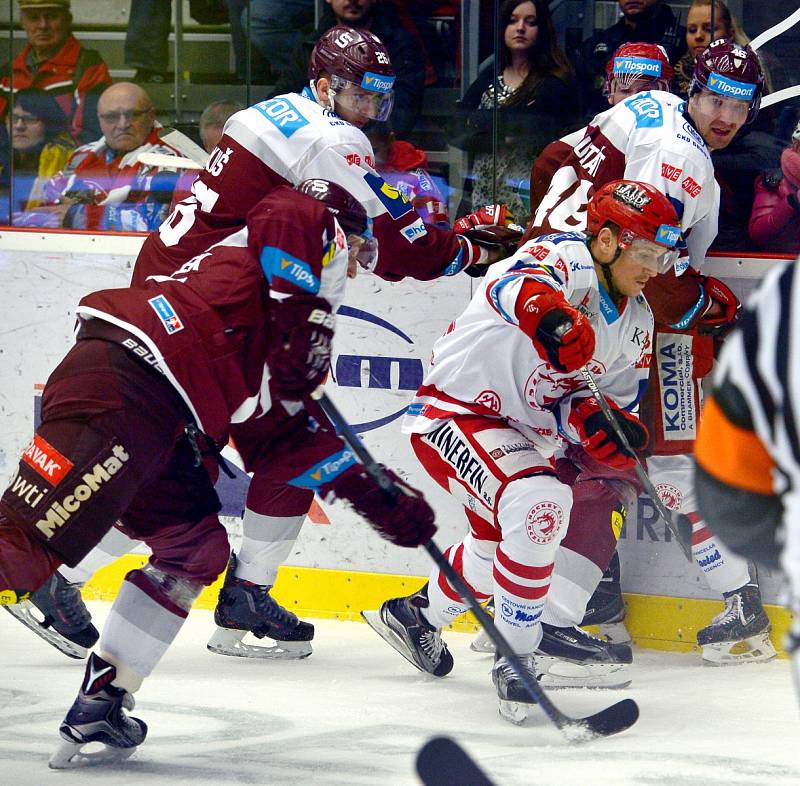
(503, 394)
(661, 139)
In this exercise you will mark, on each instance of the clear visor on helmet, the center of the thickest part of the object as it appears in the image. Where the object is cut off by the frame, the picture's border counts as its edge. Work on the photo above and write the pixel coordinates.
(658, 256)
(733, 110)
(371, 104)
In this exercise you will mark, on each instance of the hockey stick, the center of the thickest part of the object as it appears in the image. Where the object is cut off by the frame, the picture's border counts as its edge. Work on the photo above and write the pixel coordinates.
(676, 522)
(611, 720)
(443, 762)
(775, 30)
(168, 162)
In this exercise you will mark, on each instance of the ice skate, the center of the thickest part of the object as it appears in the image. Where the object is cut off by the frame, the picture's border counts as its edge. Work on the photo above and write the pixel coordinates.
(516, 703)
(400, 624)
(244, 607)
(740, 632)
(482, 643)
(572, 658)
(97, 716)
(57, 613)
(606, 608)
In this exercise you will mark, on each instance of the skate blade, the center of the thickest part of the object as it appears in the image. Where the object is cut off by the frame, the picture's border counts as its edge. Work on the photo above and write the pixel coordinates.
(482, 643)
(516, 712)
(226, 641)
(557, 673)
(70, 755)
(373, 619)
(24, 612)
(756, 649)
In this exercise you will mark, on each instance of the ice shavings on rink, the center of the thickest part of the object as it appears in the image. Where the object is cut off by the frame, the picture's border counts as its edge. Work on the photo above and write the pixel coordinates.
(356, 713)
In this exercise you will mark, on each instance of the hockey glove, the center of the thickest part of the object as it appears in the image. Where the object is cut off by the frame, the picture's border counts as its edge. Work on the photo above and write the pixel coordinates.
(718, 292)
(490, 227)
(601, 440)
(406, 520)
(299, 355)
(560, 333)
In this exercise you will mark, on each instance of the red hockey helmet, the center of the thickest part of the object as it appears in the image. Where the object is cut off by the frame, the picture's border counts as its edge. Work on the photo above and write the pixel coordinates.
(640, 211)
(639, 61)
(348, 210)
(731, 71)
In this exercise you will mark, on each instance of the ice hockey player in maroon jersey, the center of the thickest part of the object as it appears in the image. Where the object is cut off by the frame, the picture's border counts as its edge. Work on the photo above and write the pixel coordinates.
(134, 415)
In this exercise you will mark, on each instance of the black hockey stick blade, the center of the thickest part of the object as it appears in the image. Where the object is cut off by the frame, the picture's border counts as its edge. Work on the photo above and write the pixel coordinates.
(443, 762)
(611, 720)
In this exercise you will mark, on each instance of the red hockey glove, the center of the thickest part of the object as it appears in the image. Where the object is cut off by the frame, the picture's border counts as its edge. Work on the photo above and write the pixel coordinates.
(490, 227)
(600, 440)
(405, 521)
(560, 334)
(719, 293)
(301, 330)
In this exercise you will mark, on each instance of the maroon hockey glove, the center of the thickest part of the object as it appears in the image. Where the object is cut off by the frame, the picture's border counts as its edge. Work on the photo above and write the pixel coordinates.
(719, 293)
(600, 440)
(490, 227)
(560, 333)
(301, 330)
(405, 521)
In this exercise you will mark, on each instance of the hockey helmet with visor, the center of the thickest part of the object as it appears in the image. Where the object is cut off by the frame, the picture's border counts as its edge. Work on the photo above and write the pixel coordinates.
(646, 219)
(359, 68)
(725, 71)
(352, 218)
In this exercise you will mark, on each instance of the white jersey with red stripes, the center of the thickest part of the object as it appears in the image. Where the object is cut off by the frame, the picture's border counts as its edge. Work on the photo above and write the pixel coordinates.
(650, 138)
(484, 364)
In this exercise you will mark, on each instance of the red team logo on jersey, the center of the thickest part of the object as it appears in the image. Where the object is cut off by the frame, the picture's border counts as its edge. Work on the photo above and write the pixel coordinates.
(488, 399)
(545, 386)
(670, 495)
(544, 521)
(46, 460)
(691, 187)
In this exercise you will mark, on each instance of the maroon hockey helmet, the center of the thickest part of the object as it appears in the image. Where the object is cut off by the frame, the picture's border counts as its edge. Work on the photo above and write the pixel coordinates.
(640, 211)
(731, 71)
(639, 61)
(348, 210)
(354, 55)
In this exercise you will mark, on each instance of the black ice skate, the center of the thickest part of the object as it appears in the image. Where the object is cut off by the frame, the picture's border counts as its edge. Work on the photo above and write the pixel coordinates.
(57, 613)
(244, 607)
(400, 624)
(740, 632)
(606, 608)
(516, 702)
(97, 715)
(572, 658)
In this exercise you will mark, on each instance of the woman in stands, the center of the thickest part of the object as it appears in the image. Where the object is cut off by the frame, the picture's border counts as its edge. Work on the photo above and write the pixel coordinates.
(536, 96)
(41, 145)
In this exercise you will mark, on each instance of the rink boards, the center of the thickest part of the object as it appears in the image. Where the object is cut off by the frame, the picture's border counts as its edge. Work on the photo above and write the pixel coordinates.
(383, 341)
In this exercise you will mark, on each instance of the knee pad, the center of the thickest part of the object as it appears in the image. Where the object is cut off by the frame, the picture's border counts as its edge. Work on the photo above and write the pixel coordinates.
(199, 552)
(178, 590)
(533, 514)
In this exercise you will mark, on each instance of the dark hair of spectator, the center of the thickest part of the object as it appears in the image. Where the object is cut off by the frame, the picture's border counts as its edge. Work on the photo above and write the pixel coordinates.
(546, 57)
(43, 106)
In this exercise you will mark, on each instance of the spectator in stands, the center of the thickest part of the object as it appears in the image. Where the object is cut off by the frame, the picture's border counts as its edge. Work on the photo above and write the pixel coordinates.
(381, 18)
(104, 186)
(648, 21)
(41, 146)
(405, 168)
(147, 40)
(775, 218)
(53, 60)
(536, 96)
(212, 121)
(699, 35)
(276, 27)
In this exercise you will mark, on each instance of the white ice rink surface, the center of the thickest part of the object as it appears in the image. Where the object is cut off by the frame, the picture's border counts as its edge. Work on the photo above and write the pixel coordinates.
(356, 713)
